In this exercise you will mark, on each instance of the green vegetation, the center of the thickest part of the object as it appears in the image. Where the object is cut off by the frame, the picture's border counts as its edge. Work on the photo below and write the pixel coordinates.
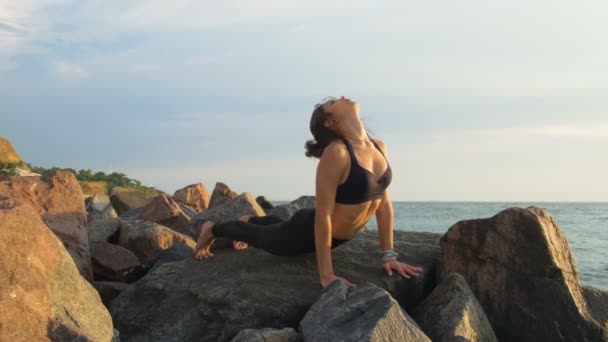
(8, 169)
(114, 179)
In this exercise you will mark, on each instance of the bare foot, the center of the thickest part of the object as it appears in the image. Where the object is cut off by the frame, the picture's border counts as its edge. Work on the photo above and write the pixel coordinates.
(240, 245)
(205, 240)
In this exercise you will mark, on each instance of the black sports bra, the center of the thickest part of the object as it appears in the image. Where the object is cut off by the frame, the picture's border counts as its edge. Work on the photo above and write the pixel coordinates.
(361, 185)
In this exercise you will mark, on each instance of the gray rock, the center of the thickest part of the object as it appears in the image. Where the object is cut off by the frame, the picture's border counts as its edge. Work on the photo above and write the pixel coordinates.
(112, 262)
(244, 204)
(286, 211)
(597, 301)
(267, 335)
(125, 199)
(264, 203)
(178, 252)
(108, 290)
(360, 313)
(521, 270)
(451, 313)
(147, 239)
(103, 230)
(221, 194)
(213, 300)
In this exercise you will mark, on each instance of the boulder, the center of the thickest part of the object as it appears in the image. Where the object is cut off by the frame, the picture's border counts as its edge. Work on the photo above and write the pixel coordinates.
(195, 196)
(267, 335)
(108, 290)
(597, 302)
(125, 199)
(8, 154)
(451, 313)
(99, 207)
(221, 194)
(178, 252)
(58, 200)
(213, 300)
(147, 239)
(244, 204)
(103, 230)
(521, 270)
(165, 211)
(42, 295)
(359, 313)
(112, 262)
(286, 211)
(264, 203)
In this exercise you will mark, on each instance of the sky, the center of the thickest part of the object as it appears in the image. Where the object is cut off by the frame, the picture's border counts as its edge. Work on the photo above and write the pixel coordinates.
(476, 100)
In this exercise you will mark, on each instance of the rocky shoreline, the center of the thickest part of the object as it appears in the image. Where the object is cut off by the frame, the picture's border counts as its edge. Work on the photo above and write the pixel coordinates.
(118, 267)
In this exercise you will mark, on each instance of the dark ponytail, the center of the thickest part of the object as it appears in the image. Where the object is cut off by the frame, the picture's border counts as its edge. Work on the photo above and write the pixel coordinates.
(323, 136)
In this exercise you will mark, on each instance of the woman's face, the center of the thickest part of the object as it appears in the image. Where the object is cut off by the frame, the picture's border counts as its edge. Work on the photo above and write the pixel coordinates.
(341, 108)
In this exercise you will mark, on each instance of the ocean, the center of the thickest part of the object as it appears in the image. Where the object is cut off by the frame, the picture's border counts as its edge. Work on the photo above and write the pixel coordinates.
(585, 226)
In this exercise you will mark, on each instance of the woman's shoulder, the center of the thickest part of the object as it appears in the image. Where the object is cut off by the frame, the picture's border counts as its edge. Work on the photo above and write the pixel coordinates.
(335, 150)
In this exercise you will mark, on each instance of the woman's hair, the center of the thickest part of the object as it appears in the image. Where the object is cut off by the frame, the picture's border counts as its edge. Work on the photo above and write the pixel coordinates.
(323, 136)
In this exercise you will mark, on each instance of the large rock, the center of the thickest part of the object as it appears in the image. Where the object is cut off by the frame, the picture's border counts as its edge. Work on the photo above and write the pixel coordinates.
(451, 313)
(165, 211)
(244, 204)
(195, 196)
(264, 203)
(108, 290)
(99, 207)
(221, 194)
(8, 154)
(267, 335)
(521, 270)
(103, 230)
(360, 313)
(58, 200)
(147, 239)
(215, 299)
(597, 301)
(125, 199)
(42, 295)
(286, 211)
(112, 262)
(178, 252)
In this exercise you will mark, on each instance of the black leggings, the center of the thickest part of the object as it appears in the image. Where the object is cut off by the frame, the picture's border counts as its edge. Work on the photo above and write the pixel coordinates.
(275, 235)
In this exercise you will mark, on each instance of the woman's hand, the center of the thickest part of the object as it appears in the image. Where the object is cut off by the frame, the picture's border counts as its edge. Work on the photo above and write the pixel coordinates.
(405, 270)
(328, 280)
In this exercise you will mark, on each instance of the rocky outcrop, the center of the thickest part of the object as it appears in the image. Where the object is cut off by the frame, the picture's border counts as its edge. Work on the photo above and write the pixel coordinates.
(165, 211)
(360, 313)
(521, 270)
(267, 335)
(112, 262)
(92, 188)
(147, 239)
(597, 302)
(42, 295)
(125, 199)
(244, 204)
(58, 200)
(221, 194)
(264, 203)
(286, 211)
(451, 313)
(99, 207)
(214, 300)
(178, 252)
(195, 196)
(8, 154)
(108, 290)
(103, 230)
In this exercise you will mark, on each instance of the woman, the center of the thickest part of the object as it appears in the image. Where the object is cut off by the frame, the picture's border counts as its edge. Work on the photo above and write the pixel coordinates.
(351, 185)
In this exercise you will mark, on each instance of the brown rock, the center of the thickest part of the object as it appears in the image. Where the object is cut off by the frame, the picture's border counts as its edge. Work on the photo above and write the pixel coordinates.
(523, 274)
(112, 262)
(42, 295)
(125, 199)
(165, 211)
(221, 194)
(58, 200)
(195, 196)
(451, 313)
(108, 290)
(597, 301)
(7, 152)
(147, 239)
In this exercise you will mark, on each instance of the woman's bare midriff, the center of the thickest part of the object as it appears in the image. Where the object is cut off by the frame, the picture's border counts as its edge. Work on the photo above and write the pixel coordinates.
(349, 219)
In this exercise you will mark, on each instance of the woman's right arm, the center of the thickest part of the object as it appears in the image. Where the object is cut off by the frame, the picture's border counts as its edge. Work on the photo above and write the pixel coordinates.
(329, 172)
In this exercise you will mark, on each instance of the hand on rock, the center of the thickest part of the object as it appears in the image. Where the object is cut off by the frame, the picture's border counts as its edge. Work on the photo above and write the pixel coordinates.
(327, 281)
(405, 270)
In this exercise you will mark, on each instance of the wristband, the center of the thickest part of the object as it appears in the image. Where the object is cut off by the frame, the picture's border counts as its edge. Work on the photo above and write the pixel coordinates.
(389, 255)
